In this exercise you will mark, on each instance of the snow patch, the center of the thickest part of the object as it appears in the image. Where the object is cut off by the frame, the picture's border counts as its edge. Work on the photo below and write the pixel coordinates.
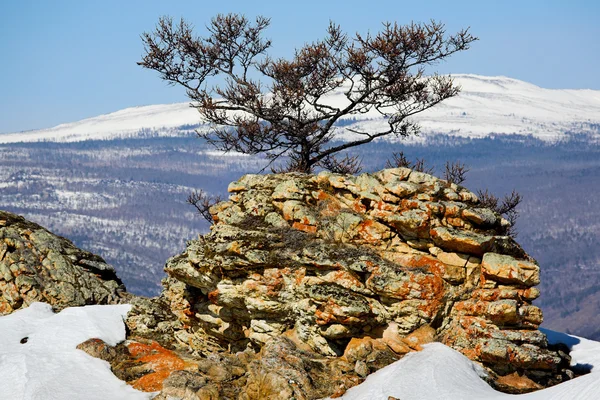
(38, 358)
(439, 372)
(436, 372)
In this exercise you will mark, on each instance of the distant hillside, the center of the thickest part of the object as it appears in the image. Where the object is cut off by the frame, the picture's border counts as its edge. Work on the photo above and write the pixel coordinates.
(486, 106)
(116, 184)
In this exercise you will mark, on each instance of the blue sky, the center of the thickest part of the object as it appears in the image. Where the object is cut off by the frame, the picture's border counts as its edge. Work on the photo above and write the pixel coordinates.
(65, 60)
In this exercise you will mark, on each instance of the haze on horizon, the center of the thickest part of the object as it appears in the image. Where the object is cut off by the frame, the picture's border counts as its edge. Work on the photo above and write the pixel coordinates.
(67, 60)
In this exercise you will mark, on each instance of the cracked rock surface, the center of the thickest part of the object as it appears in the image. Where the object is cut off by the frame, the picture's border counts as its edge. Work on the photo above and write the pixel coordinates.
(304, 286)
(36, 265)
(381, 262)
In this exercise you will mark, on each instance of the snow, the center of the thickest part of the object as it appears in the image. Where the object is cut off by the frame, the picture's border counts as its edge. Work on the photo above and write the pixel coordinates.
(436, 372)
(439, 372)
(583, 351)
(504, 105)
(486, 105)
(154, 120)
(48, 366)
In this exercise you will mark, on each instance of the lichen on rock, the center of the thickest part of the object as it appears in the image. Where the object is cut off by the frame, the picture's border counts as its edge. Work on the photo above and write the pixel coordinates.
(328, 260)
(304, 286)
(36, 265)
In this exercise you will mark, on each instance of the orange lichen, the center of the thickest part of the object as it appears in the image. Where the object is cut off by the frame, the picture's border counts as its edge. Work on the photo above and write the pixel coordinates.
(299, 275)
(274, 280)
(520, 382)
(345, 278)
(457, 222)
(359, 207)
(324, 318)
(156, 358)
(213, 296)
(407, 204)
(235, 248)
(367, 231)
(304, 227)
(5, 308)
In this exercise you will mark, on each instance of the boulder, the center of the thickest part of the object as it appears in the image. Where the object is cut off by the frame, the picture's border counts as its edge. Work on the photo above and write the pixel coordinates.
(36, 265)
(304, 286)
(359, 269)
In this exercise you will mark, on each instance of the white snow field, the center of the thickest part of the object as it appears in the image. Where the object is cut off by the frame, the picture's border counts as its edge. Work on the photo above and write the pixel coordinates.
(48, 366)
(486, 106)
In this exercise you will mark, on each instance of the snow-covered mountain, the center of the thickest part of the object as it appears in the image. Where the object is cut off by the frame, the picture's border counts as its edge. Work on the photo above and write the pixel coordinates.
(486, 105)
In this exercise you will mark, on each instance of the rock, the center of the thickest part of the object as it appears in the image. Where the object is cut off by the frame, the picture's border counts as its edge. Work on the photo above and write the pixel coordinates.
(306, 284)
(365, 269)
(36, 265)
(422, 178)
(455, 259)
(282, 372)
(402, 189)
(411, 223)
(145, 364)
(160, 361)
(419, 337)
(393, 338)
(462, 241)
(506, 355)
(480, 216)
(393, 174)
(361, 369)
(506, 269)
(182, 385)
(98, 348)
(516, 384)
(289, 190)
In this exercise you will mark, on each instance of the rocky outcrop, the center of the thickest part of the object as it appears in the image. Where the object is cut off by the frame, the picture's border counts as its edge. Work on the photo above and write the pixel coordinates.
(36, 265)
(304, 286)
(380, 262)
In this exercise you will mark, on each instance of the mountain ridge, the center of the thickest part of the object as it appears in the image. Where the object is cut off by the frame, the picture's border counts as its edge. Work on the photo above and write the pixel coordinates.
(486, 105)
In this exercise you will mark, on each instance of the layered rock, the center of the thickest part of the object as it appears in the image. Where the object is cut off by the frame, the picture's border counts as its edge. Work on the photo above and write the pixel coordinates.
(36, 265)
(304, 286)
(395, 258)
(280, 370)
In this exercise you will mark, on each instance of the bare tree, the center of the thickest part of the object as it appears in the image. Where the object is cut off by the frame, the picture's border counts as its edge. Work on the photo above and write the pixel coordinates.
(203, 202)
(507, 206)
(347, 165)
(455, 172)
(399, 160)
(281, 107)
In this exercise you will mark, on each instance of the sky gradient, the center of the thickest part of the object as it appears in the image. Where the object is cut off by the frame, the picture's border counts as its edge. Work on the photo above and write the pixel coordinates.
(65, 60)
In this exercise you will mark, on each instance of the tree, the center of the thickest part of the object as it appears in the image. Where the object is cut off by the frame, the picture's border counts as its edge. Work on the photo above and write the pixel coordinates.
(507, 206)
(281, 107)
(399, 160)
(455, 172)
(203, 202)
